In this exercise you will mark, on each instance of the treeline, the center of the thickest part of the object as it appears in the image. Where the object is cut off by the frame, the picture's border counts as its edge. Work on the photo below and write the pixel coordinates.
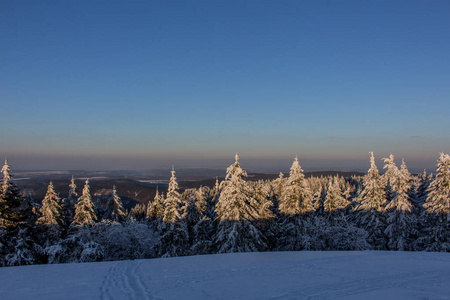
(393, 211)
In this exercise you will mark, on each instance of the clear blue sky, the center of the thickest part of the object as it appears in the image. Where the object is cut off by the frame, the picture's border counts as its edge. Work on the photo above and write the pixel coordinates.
(126, 84)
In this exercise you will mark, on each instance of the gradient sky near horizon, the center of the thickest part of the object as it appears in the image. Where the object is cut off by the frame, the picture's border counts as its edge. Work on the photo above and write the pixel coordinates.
(148, 84)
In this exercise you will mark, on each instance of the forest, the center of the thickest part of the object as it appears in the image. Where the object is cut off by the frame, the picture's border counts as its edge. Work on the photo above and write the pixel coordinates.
(395, 211)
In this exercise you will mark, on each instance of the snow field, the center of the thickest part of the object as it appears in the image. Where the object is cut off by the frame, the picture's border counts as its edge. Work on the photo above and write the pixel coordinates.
(270, 275)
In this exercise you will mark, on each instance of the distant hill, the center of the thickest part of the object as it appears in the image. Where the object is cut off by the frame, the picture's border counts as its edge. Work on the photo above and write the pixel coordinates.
(133, 187)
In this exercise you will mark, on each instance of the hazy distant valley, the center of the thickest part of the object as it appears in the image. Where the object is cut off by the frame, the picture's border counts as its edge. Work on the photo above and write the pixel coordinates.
(132, 186)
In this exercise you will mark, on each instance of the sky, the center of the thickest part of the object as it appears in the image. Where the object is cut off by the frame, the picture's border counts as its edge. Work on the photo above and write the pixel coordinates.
(148, 84)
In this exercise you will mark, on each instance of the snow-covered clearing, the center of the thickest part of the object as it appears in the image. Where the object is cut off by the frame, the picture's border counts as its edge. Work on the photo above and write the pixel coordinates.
(270, 275)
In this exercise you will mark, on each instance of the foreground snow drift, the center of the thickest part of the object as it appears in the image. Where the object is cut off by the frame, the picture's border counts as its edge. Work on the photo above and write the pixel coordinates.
(270, 275)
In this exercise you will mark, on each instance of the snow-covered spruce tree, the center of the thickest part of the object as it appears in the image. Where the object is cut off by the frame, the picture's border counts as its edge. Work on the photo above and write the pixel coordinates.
(174, 239)
(334, 199)
(389, 176)
(114, 209)
(436, 235)
(296, 197)
(235, 209)
(212, 201)
(438, 200)
(401, 227)
(372, 197)
(68, 204)
(369, 213)
(155, 208)
(297, 229)
(11, 215)
(200, 200)
(422, 189)
(50, 210)
(84, 209)
(319, 198)
(172, 203)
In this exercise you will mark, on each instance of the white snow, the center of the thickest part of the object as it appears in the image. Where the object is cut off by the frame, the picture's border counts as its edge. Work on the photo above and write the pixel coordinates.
(270, 275)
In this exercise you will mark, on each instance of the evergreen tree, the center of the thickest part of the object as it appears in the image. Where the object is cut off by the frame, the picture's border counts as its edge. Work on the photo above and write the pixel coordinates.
(172, 203)
(50, 210)
(371, 208)
(334, 199)
(174, 239)
(155, 208)
(200, 201)
(84, 209)
(422, 189)
(114, 209)
(401, 185)
(389, 176)
(401, 222)
(438, 200)
(436, 235)
(236, 201)
(296, 197)
(372, 198)
(10, 202)
(235, 209)
(68, 204)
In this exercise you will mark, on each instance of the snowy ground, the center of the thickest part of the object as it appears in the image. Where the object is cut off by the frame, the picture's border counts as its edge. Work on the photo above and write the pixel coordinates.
(273, 275)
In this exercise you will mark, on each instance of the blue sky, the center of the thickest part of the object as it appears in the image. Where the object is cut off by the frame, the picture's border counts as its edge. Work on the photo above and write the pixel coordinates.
(126, 84)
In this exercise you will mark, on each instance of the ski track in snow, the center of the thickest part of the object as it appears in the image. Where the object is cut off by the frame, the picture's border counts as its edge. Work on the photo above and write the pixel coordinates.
(124, 281)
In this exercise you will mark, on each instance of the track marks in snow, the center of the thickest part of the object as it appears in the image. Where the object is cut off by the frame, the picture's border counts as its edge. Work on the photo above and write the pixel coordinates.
(124, 281)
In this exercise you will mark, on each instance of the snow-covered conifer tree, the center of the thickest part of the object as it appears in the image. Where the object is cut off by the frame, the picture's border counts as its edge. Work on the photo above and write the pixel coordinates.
(236, 202)
(436, 233)
(296, 197)
(174, 239)
(371, 208)
(50, 210)
(68, 204)
(422, 189)
(401, 222)
(200, 200)
(155, 208)
(10, 202)
(334, 199)
(172, 203)
(84, 209)
(114, 209)
(389, 176)
(401, 184)
(235, 209)
(372, 198)
(438, 200)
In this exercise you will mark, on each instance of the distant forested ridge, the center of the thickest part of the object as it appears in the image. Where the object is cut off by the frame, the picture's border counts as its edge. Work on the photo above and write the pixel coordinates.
(393, 211)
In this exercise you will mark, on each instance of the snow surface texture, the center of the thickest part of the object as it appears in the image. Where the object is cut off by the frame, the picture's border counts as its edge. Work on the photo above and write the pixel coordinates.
(270, 275)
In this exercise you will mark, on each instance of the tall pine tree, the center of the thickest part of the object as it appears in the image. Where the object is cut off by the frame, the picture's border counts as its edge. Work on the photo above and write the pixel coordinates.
(114, 209)
(10, 213)
(296, 197)
(371, 208)
(84, 209)
(436, 235)
(235, 209)
(50, 210)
